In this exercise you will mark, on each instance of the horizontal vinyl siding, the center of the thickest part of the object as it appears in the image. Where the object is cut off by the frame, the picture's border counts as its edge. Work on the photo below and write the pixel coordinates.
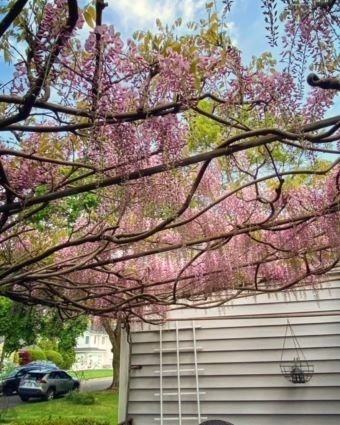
(234, 356)
(330, 328)
(206, 383)
(238, 343)
(253, 394)
(257, 420)
(235, 369)
(239, 358)
(221, 408)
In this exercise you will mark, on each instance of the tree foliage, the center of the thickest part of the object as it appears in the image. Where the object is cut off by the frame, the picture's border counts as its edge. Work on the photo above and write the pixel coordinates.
(19, 326)
(58, 337)
(140, 174)
(22, 326)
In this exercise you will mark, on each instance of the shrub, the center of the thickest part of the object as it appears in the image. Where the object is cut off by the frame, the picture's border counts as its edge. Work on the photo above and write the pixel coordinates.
(54, 357)
(36, 354)
(24, 357)
(76, 397)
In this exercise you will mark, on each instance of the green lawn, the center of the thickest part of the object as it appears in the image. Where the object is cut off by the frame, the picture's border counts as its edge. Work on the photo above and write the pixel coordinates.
(105, 408)
(91, 374)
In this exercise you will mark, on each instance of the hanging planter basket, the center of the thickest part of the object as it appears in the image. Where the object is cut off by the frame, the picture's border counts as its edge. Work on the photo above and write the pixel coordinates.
(298, 370)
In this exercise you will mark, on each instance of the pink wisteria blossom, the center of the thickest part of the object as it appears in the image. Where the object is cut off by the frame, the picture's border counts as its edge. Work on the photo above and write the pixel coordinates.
(163, 169)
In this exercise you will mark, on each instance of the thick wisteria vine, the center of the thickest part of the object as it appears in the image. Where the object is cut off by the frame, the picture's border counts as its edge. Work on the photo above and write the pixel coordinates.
(159, 171)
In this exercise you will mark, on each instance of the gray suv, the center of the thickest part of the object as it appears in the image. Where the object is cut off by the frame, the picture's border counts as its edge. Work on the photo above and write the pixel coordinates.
(9, 383)
(46, 384)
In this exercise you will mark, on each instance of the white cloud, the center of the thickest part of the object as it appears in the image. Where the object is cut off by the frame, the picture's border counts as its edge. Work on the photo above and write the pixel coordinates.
(189, 8)
(128, 16)
(233, 32)
(142, 14)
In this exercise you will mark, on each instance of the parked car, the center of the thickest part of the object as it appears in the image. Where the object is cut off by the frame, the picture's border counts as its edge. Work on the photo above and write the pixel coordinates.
(10, 383)
(46, 384)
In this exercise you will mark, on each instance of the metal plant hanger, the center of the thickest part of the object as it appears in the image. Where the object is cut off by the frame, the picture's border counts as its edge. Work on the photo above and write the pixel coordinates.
(298, 370)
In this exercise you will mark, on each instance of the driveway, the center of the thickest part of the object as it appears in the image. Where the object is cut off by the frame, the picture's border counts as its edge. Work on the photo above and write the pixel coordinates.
(7, 402)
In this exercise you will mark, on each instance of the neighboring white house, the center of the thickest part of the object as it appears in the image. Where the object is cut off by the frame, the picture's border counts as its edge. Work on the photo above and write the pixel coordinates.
(225, 363)
(93, 350)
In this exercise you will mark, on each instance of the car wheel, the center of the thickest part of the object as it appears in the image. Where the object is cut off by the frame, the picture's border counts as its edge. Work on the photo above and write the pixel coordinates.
(24, 397)
(50, 394)
(8, 392)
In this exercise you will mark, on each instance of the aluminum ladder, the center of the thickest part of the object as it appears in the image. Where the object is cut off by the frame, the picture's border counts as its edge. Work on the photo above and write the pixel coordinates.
(164, 372)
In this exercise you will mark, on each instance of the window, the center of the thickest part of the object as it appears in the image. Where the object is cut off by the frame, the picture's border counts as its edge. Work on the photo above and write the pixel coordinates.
(87, 339)
(103, 340)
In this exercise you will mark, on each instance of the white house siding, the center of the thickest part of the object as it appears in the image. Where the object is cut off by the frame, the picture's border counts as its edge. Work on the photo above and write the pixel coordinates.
(239, 350)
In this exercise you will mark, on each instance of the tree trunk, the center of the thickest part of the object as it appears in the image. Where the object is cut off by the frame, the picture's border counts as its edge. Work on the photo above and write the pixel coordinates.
(113, 330)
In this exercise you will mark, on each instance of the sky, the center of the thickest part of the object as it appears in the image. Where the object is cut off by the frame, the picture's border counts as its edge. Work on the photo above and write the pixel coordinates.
(129, 16)
(245, 20)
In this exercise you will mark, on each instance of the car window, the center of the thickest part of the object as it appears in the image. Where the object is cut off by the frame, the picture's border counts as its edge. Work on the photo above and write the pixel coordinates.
(35, 375)
(54, 375)
(64, 375)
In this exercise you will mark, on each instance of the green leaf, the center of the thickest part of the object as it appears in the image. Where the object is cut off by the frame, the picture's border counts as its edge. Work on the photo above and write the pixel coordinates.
(90, 16)
(159, 24)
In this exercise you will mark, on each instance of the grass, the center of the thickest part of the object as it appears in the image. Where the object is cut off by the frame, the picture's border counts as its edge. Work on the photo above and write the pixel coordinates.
(92, 374)
(104, 408)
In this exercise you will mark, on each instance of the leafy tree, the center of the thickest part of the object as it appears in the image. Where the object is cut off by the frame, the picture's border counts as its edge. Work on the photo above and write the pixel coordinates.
(61, 335)
(159, 171)
(21, 326)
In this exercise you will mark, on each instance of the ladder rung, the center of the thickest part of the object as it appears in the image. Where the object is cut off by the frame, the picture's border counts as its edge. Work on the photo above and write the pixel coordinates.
(188, 328)
(173, 350)
(175, 370)
(187, 418)
(182, 393)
